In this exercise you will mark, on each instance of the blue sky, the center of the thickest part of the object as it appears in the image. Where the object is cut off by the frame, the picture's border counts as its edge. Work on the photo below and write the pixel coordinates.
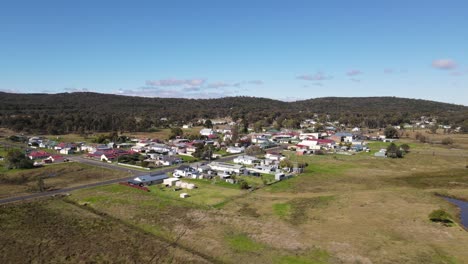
(288, 50)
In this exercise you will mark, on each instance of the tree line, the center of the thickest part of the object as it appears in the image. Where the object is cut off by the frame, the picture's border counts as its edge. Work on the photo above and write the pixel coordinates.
(93, 112)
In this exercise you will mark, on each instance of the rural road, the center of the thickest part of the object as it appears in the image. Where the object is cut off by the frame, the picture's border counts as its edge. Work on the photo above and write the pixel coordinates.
(99, 164)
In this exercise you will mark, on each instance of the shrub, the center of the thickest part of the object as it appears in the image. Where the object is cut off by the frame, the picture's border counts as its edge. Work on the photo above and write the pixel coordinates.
(441, 216)
(405, 147)
(393, 151)
(243, 185)
(447, 141)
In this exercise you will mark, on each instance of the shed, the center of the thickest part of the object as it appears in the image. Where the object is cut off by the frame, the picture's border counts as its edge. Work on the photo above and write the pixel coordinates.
(184, 195)
(170, 181)
(280, 176)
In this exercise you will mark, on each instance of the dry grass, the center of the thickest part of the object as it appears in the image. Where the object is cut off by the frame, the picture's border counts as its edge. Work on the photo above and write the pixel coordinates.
(343, 209)
(53, 231)
(56, 176)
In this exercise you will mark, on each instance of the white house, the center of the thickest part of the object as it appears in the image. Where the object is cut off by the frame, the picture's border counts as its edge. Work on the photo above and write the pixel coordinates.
(226, 167)
(308, 144)
(235, 150)
(206, 132)
(186, 172)
(66, 151)
(274, 156)
(246, 160)
(303, 136)
(264, 168)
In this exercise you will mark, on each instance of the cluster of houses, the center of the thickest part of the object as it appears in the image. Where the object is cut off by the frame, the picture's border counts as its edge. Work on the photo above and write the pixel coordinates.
(241, 165)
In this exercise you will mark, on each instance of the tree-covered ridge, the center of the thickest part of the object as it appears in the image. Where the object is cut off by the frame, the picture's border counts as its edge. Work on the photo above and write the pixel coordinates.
(85, 111)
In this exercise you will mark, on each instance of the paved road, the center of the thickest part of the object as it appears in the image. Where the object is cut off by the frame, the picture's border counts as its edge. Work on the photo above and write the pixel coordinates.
(135, 172)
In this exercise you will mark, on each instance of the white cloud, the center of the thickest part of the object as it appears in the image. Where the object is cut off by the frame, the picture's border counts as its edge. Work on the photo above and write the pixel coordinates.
(444, 64)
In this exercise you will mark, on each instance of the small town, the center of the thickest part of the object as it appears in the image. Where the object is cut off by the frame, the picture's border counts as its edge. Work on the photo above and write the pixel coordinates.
(237, 132)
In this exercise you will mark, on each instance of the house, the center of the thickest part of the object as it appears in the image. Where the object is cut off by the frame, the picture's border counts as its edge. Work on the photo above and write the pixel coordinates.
(125, 145)
(274, 156)
(303, 136)
(186, 172)
(55, 158)
(184, 195)
(108, 157)
(342, 137)
(235, 150)
(308, 145)
(226, 167)
(66, 151)
(38, 155)
(356, 129)
(148, 179)
(264, 168)
(206, 132)
(169, 160)
(159, 148)
(63, 145)
(246, 160)
(48, 144)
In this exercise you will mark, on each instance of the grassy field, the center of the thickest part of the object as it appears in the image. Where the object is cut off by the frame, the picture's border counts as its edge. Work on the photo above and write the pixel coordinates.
(164, 133)
(56, 231)
(56, 176)
(343, 209)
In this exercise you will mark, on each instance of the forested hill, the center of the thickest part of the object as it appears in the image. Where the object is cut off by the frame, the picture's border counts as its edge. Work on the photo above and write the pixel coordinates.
(72, 112)
(368, 105)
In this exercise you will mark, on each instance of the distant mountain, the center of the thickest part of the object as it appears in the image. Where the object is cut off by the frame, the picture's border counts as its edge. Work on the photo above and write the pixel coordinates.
(71, 112)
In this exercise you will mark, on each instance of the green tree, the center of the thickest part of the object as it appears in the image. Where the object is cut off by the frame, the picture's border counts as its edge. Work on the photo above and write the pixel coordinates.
(16, 159)
(285, 164)
(176, 132)
(393, 151)
(235, 133)
(390, 132)
(208, 124)
(254, 151)
(258, 126)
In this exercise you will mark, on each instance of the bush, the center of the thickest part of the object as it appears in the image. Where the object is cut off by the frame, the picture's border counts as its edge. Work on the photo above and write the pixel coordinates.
(405, 147)
(447, 141)
(243, 185)
(441, 216)
(393, 151)
(390, 132)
